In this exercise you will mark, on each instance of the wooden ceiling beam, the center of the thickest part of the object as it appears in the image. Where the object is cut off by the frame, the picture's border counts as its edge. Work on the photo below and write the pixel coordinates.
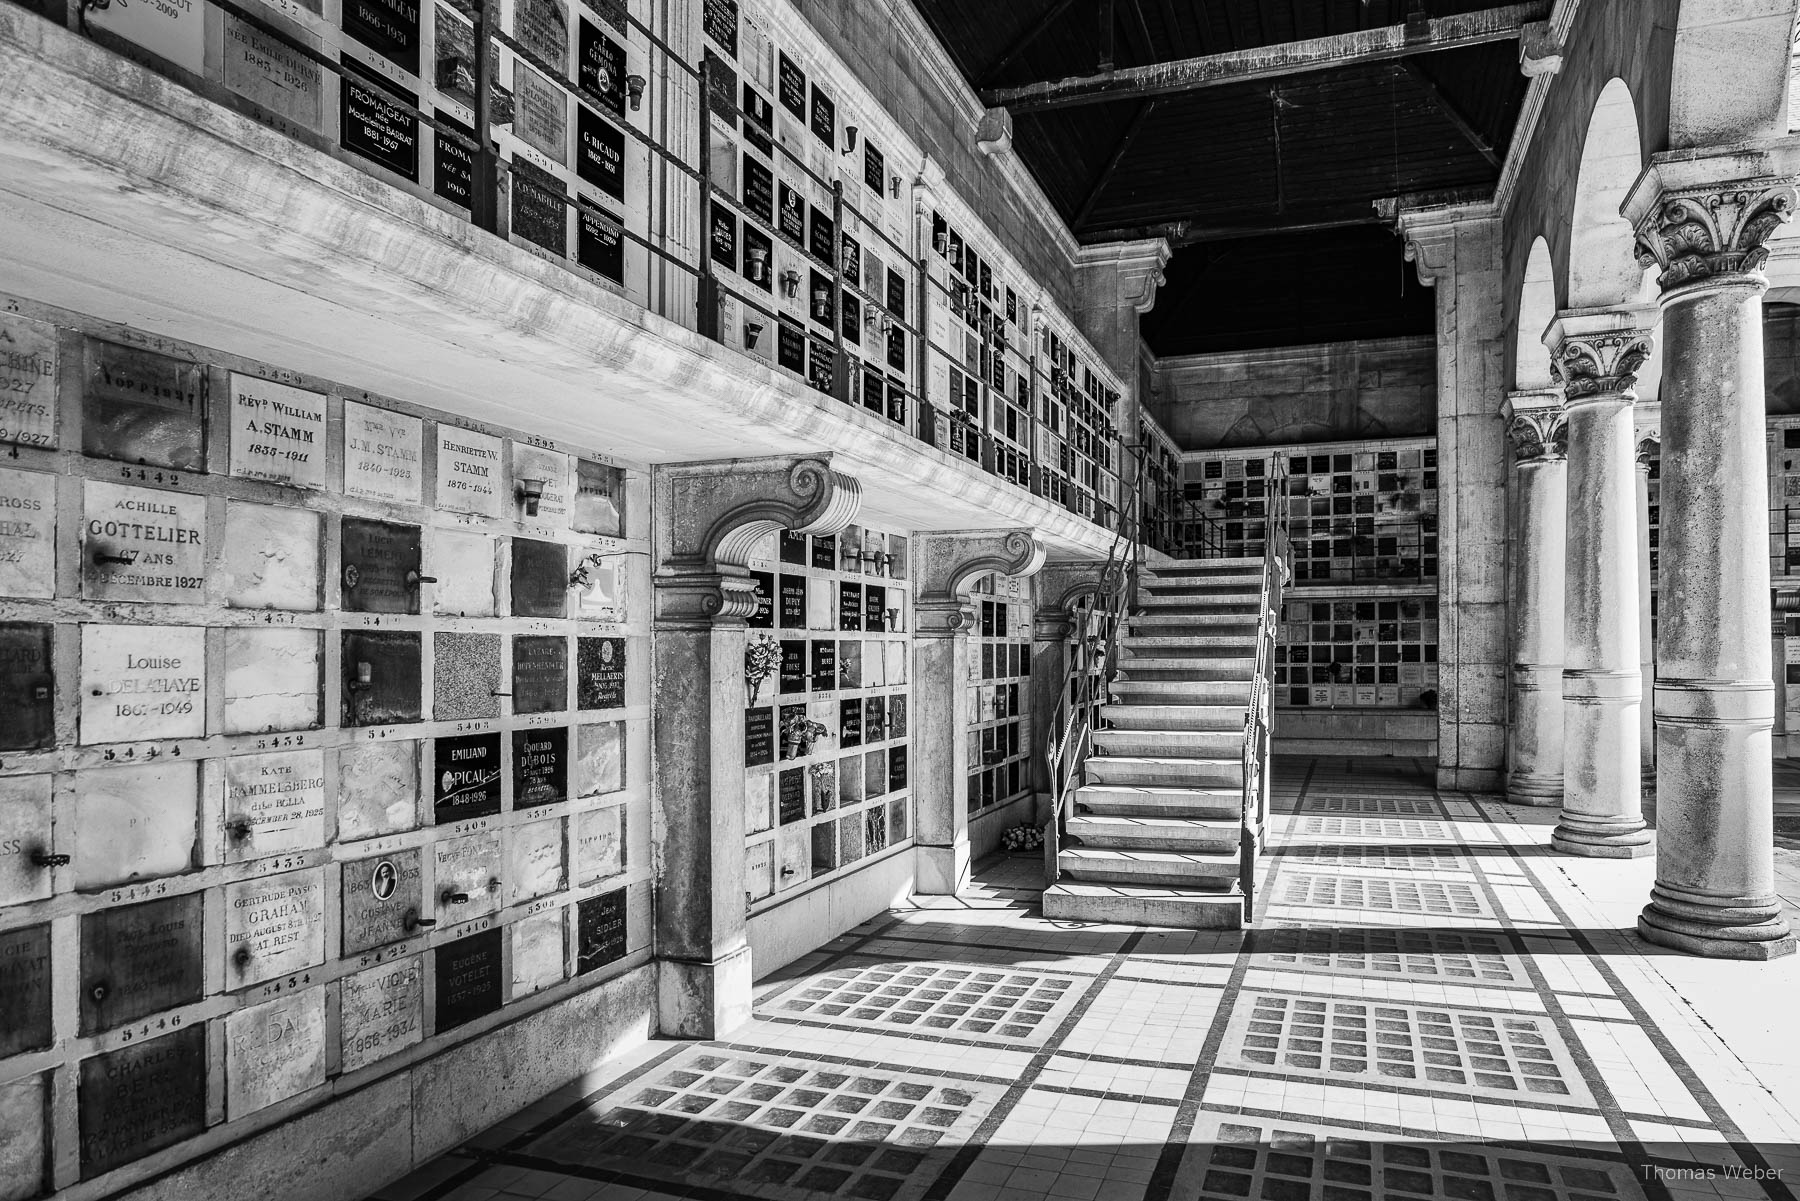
(1023, 41)
(1382, 44)
(1451, 111)
(1187, 233)
(1112, 164)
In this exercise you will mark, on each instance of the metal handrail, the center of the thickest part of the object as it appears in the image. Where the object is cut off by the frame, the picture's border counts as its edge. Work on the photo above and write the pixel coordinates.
(1254, 805)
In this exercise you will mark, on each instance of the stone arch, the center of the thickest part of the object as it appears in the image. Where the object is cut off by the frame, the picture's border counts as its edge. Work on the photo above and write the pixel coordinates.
(1537, 308)
(1603, 269)
(1729, 81)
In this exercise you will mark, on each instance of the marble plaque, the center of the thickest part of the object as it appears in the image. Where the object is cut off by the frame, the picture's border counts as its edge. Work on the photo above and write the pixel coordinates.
(791, 613)
(895, 655)
(600, 931)
(875, 609)
(874, 718)
(142, 545)
(272, 680)
(850, 715)
(277, 432)
(539, 212)
(381, 677)
(538, 866)
(793, 852)
(132, 822)
(824, 117)
(542, 27)
(850, 672)
(720, 20)
(790, 219)
(24, 1141)
(599, 504)
(850, 606)
(388, 27)
(540, 767)
(759, 737)
(764, 617)
(824, 665)
(599, 152)
(791, 86)
(537, 952)
(24, 832)
(792, 675)
(551, 470)
(896, 768)
(601, 68)
(599, 843)
(382, 899)
(27, 528)
(383, 1011)
(600, 759)
(790, 796)
(599, 241)
(273, 925)
(381, 562)
(466, 680)
(464, 567)
(25, 989)
(144, 407)
(759, 870)
(759, 802)
(469, 868)
(140, 959)
(540, 578)
(468, 471)
(378, 789)
(466, 782)
(27, 687)
(274, 803)
(468, 979)
(382, 454)
(142, 1097)
(271, 557)
(372, 123)
(540, 673)
(600, 673)
(896, 716)
(27, 381)
(274, 1051)
(824, 552)
(541, 119)
(723, 241)
(759, 189)
(273, 75)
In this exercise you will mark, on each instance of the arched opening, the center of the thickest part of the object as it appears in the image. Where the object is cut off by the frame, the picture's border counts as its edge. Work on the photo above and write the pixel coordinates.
(1603, 268)
(1537, 308)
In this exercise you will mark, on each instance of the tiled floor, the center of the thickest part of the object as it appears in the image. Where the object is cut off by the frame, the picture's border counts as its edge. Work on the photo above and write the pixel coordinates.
(1433, 1004)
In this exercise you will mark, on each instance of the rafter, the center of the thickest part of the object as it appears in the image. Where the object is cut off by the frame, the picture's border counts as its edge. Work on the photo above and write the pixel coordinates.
(1024, 40)
(1382, 44)
(1451, 111)
(1112, 164)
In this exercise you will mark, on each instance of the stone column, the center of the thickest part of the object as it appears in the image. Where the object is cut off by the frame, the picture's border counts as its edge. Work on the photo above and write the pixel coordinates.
(1596, 354)
(946, 565)
(1534, 736)
(1715, 892)
(1649, 446)
(711, 516)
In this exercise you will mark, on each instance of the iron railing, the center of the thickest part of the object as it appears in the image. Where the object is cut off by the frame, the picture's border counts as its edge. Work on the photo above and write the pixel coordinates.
(1254, 808)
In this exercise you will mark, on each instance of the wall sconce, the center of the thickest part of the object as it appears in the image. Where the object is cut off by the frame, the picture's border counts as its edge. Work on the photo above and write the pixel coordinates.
(887, 563)
(124, 558)
(894, 185)
(940, 242)
(365, 677)
(790, 283)
(531, 493)
(752, 333)
(634, 90)
(850, 139)
(849, 553)
(893, 620)
(757, 259)
(821, 302)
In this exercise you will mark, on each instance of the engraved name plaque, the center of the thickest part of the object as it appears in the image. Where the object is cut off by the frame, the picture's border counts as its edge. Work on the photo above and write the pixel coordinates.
(539, 212)
(600, 673)
(275, 76)
(790, 799)
(378, 789)
(824, 666)
(142, 545)
(273, 926)
(388, 27)
(382, 898)
(27, 688)
(381, 454)
(468, 472)
(132, 822)
(540, 674)
(599, 240)
(274, 1051)
(540, 767)
(381, 562)
(601, 68)
(27, 381)
(541, 118)
(540, 578)
(850, 715)
(599, 499)
(27, 526)
(537, 952)
(383, 1012)
(793, 665)
(25, 989)
(600, 931)
(468, 979)
(548, 471)
(850, 606)
(273, 804)
(373, 123)
(599, 843)
(542, 26)
(764, 617)
(468, 877)
(144, 407)
(537, 859)
(381, 677)
(467, 780)
(792, 613)
(759, 737)
(142, 683)
(277, 432)
(141, 1098)
(140, 959)
(599, 152)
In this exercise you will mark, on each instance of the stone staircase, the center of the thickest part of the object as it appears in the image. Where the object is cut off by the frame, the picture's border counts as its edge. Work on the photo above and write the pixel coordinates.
(1156, 829)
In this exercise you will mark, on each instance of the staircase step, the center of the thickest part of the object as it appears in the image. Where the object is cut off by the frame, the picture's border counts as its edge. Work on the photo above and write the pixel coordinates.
(1165, 772)
(1194, 617)
(1169, 744)
(1150, 803)
(1210, 600)
(1129, 904)
(1209, 872)
(1174, 717)
(1212, 835)
(1182, 689)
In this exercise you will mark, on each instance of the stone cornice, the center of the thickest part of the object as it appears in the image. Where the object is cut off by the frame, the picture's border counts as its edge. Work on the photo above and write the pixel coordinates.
(1597, 352)
(1139, 265)
(950, 562)
(1430, 232)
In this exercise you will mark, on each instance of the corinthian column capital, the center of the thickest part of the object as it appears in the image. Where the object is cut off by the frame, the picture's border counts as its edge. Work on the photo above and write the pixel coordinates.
(1597, 352)
(1698, 233)
(1536, 425)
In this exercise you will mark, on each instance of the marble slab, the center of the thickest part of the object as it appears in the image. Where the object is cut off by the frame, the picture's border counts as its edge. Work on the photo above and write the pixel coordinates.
(24, 1145)
(27, 687)
(382, 458)
(24, 831)
(378, 789)
(277, 432)
(271, 557)
(133, 822)
(142, 544)
(24, 991)
(540, 767)
(272, 680)
(140, 959)
(141, 1098)
(140, 406)
(382, 900)
(600, 758)
(538, 952)
(27, 526)
(383, 1012)
(468, 868)
(599, 843)
(140, 683)
(466, 676)
(468, 472)
(274, 925)
(539, 865)
(274, 1051)
(464, 566)
(468, 979)
(28, 399)
(273, 804)
(466, 779)
(601, 935)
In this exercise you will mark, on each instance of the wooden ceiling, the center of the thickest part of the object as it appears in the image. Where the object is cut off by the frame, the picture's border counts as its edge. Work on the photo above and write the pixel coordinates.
(1289, 157)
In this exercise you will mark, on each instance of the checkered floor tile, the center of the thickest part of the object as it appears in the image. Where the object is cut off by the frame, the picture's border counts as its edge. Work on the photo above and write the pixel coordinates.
(1387, 806)
(1377, 857)
(936, 998)
(1423, 953)
(1372, 827)
(1398, 896)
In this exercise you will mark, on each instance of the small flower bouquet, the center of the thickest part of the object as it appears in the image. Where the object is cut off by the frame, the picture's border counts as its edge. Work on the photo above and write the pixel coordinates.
(799, 733)
(1022, 840)
(760, 660)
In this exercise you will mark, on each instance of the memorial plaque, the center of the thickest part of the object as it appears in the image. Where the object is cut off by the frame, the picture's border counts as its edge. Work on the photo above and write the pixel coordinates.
(274, 75)
(850, 716)
(539, 214)
(874, 609)
(24, 832)
(277, 431)
(600, 931)
(372, 124)
(790, 797)
(466, 677)
(382, 454)
(27, 381)
(274, 1051)
(378, 789)
(720, 20)
(793, 602)
(550, 471)
(144, 407)
(381, 566)
(791, 222)
(540, 673)
(25, 989)
(467, 780)
(764, 617)
(601, 766)
(538, 952)
(541, 118)
(600, 673)
(824, 117)
(599, 499)
(850, 606)
(271, 680)
(602, 68)
(383, 1012)
(896, 771)
(759, 870)
(791, 86)
(875, 778)
(538, 861)
(24, 1137)
(27, 687)
(383, 897)
(540, 767)
(381, 677)
(824, 665)
(874, 169)
(142, 545)
(540, 578)
(820, 364)
(793, 665)
(468, 472)
(388, 27)
(140, 959)
(822, 241)
(825, 552)
(896, 716)
(132, 822)
(468, 979)
(463, 565)
(724, 237)
(468, 877)
(759, 190)
(759, 737)
(850, 672)
(790, 347)
(542, 27)
(599, 843)
(271, 557)
(142, 1097)
(273, 925)
(27, 526)
(895, 654)
(759, 124)
(453, 160)
(274, 803)
(599, 241)
(874, 719)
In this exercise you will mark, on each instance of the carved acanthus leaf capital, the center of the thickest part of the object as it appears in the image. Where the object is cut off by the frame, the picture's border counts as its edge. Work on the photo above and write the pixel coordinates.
(1598, 353)
(1538, 435)
(1699, 233)
(1649, 447)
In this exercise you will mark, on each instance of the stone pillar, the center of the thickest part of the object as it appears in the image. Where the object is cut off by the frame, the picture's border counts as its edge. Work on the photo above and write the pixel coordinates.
(1596, 354)
(1649, 446)
(1534, 736)
(711, 515)
(1715, 891)
(946, 565)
